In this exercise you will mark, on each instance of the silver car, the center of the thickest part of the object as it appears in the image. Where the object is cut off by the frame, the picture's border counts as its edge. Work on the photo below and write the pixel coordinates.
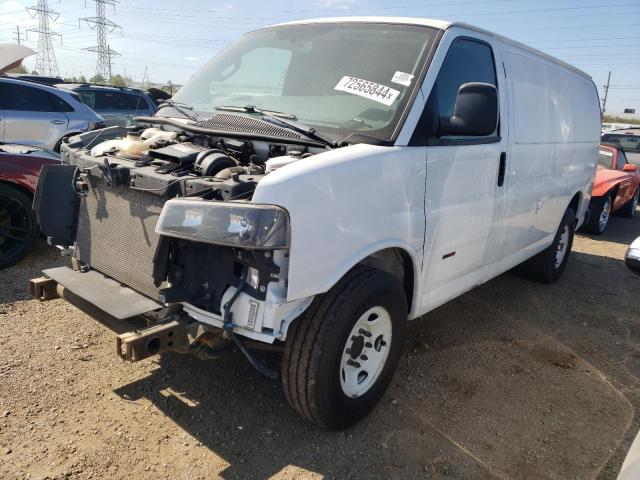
(35, 114)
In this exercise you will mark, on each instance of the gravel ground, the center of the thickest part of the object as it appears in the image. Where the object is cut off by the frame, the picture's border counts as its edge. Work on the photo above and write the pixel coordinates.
(513, 380)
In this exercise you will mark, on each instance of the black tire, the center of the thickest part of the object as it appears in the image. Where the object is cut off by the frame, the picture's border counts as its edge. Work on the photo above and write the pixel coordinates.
(597, 208)
(18, 225)
(544, 267)
(316, 343)
(628, 210)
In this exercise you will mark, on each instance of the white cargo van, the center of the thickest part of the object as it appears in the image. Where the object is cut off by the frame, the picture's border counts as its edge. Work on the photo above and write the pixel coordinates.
(317, 184)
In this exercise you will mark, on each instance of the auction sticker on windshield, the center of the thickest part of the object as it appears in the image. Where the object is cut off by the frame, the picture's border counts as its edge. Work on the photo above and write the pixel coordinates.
(364, 88)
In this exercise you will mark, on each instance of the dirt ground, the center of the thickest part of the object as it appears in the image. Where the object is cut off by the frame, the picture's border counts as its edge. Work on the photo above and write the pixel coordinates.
(513, 380)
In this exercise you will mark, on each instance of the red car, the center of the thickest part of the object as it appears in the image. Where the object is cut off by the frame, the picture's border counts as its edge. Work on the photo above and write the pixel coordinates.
(615, 189)
(19, 169)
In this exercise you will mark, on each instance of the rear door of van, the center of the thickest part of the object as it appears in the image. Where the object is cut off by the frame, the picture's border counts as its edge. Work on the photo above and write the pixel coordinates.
(551, 152)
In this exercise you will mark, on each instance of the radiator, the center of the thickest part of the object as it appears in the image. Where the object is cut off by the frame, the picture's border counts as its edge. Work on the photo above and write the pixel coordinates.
(116, 234)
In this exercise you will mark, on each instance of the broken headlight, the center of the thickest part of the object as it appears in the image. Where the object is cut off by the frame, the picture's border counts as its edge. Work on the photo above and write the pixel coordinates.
(225, 223)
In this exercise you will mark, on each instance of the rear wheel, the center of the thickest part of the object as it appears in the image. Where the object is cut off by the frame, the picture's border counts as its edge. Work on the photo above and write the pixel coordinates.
(342, 353)
(548, 265)
(629, 209)
(600, 208)
(18, 226)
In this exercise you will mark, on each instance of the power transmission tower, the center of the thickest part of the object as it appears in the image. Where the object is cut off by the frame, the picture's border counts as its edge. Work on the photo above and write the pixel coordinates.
(46, 63)
(102, 26)
(606, 92)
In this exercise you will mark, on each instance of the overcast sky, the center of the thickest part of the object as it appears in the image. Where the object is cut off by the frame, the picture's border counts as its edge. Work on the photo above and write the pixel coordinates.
(172, 39)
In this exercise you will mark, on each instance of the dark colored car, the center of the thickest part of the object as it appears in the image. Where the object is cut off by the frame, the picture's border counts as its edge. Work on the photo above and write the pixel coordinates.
(117, 105)
(39, 79)
(19, 170)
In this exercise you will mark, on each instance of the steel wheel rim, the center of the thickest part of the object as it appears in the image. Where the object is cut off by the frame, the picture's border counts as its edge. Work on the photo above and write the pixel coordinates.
(365, 352)
(563, 246)
(15, 225)
(604, 215)
(634, 201)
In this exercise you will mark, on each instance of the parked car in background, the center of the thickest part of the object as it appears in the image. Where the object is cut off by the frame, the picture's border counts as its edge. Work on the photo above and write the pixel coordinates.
(118, 105)
(615, 189)
(628, 139)
(632, 259)
(608, 127)
(38, 78)
(158, 95)
(35, 114)
(19, 169)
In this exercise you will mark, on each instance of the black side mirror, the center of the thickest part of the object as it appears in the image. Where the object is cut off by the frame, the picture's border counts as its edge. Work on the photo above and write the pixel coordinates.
(475, 113)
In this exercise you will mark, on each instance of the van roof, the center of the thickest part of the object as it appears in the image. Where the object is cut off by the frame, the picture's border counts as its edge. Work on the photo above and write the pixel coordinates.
(438, 24)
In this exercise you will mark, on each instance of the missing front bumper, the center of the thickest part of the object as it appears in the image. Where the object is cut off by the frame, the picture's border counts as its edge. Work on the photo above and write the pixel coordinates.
(119, 308)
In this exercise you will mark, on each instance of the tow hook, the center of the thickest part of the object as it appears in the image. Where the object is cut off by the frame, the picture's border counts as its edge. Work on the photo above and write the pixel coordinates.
(228, 331)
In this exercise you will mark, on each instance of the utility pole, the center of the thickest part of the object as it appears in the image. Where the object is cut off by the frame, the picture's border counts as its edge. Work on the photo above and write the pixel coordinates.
(606, 92)
(102, 26)
(46, 63)
(18, 35)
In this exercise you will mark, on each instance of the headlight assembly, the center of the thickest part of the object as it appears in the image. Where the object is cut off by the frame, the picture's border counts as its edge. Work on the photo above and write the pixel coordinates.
(243, 225)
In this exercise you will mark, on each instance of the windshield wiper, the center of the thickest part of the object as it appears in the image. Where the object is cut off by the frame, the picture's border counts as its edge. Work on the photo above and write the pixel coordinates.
(277, 118)
(181, 108)
(254, 109)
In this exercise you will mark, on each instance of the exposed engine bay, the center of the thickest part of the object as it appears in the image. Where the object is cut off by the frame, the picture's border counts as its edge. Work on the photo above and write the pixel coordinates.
(118, 182)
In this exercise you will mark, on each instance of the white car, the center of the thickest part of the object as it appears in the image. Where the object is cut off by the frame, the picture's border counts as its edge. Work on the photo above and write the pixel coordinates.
(318, 184)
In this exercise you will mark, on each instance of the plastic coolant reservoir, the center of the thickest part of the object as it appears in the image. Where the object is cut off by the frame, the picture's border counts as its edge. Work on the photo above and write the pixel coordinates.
(278, 162)
(106, 147)
(132, 145)
(151, 136)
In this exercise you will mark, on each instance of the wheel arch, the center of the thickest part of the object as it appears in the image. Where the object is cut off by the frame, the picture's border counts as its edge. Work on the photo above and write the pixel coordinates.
(575, 202)
(400, 263)
(67, 134)
(614, 193)
(18, 186)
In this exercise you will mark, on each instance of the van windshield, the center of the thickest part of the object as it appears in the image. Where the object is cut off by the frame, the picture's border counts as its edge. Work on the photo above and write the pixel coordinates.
(338, 77)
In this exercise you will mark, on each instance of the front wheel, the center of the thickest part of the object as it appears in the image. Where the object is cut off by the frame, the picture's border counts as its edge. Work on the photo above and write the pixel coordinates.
(548, 265)
(341, 355)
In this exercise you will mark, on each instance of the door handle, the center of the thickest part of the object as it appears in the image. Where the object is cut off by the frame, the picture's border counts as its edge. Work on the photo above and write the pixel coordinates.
(502, 168)
(57, 122)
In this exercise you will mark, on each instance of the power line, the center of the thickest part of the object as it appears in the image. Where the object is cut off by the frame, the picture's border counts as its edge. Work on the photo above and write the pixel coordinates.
(46, 63)
(102, 25)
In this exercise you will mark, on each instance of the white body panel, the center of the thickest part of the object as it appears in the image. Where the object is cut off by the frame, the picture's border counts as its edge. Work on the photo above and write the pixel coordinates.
(344, 205)
(349, 203)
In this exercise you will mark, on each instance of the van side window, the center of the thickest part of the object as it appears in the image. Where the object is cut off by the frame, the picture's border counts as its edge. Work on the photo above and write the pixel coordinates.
(467, 61)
